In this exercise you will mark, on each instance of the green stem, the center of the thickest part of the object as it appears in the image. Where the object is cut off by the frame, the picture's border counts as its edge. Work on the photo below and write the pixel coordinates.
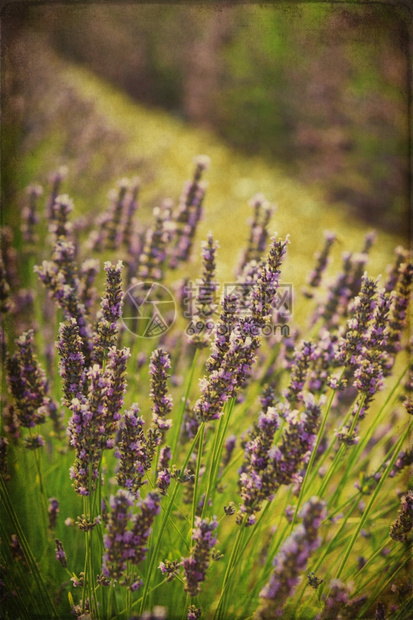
(216, 454)
(178, 425)
(43, 591)
(230, 567)
(164, 522)
(373, 499)
(313, 457)
(382, 587)
(198, 467)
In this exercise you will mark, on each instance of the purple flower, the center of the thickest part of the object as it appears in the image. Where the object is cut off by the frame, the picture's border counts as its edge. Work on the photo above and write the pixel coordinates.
(299, 371)
(60, 277)
(196, 565)
(29, 214)
(116, 389)
(60, 210)
(322, 258)
(207, 286)
(188, 213)
(262, 212)
(72, 361)
(53, 511)
(60, 553)
(291, 561)
(106, 331)
(162, 401)
(134, 451)
(338, 604)
(403, 525)
(153, 254)
(27, 383)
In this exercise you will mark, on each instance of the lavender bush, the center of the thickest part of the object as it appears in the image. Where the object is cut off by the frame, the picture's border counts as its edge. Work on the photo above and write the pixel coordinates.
(141, 433)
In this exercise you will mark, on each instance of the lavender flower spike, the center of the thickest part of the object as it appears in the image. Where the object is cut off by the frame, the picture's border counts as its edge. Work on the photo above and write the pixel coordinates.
(134, 451)
(60, 553)
(27, 383)
(162, 401)
(111, 310)
(403, 525)
(116, 389)
(291, 561)
(72, 361)
(196, 566)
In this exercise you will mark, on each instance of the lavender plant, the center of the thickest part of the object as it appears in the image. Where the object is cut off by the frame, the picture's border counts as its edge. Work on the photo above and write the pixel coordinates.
(123, 459)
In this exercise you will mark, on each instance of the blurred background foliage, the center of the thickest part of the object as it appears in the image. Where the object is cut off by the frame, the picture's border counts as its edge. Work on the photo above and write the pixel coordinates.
(320, 89)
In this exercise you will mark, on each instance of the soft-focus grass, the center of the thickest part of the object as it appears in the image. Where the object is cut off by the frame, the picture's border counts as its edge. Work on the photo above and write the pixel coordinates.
(160, 148)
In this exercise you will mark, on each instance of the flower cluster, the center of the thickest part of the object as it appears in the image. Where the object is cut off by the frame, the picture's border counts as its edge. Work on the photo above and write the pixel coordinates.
(189, 213)
(196, 565)
(204, 302)
(153, 254)
(30, 215)
(134, 451)
(266, 466)
(322, 258)
(127, 535)
(27, 383)
(106, 331)
(60, 553)
(262, 212)
(338, 604)
(162, 401)
(242, 343)
(72, 361)
(403, 525)
(292, 560)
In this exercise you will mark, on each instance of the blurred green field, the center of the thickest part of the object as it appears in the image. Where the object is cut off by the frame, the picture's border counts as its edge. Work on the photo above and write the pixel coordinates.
(76, 119)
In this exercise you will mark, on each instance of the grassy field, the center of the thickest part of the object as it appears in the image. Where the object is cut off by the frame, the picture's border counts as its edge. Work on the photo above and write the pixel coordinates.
(308, 425)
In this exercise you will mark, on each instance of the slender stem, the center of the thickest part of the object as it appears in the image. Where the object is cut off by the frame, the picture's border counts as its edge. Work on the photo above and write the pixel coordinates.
(230, 567)
(372, 500)
(164, 522)
(198, 467)
(179, 421)
(8, 506)
(313, 457)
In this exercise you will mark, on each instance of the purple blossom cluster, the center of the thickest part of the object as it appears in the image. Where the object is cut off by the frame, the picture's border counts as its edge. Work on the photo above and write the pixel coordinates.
(72, 361)
(162, 402)
(106, 331)
(196, 565)
(154, 248)
(204, 302)
(134, 451)
(299, 371)
(95, 418)
(338, 602)
(236, 352)
(291, 561)
(403, 525)
(60, 553)
(114, 226)
(256, 246)
(322, 258)
(30, 216)
(127, 535)
(358, 325)
(27, 383)
(60, 277)
(267, 466)
(188, 213)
